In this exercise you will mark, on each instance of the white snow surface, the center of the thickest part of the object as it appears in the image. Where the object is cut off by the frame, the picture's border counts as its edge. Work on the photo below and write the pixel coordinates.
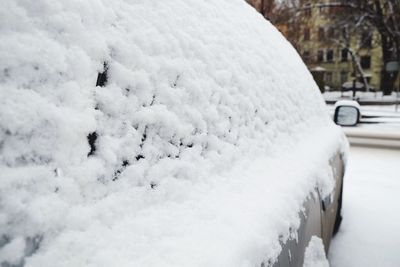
(369, 234)
(315, 254)
(211, 133)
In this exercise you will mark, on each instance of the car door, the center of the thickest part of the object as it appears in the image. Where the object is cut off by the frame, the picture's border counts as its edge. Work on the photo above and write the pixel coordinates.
(317, 219)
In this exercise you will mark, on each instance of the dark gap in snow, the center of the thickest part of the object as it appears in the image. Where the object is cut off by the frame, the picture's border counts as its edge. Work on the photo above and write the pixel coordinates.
(153, 185)
(139, 157)
(125, 163)
(116, 175)
(153, 100)
(144, 137)
(92, 137)
(102, 76)
(176, 81)
(189, 145)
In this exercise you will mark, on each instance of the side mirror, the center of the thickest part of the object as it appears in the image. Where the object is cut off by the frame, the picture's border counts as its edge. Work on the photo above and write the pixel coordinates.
(346, 115)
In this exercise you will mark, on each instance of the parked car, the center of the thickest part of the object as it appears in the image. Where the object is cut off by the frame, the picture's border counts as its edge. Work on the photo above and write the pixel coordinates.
(160, 133)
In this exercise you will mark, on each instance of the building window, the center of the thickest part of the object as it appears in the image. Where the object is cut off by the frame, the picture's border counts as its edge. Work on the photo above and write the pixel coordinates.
(365, 62)
(329, 55)
(344, 54)
(343, 77)
(306, 56)
(321, 34)
(307, 10)
(331, 33)
(306, 34)
(366, 39)
(328, 77)
(344, 33)
(320, 56)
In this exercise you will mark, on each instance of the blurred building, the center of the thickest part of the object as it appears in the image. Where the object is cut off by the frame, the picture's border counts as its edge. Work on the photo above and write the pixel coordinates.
(326, 42)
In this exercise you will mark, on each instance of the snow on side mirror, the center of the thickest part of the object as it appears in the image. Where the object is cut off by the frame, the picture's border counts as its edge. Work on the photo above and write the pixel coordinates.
(347, 114)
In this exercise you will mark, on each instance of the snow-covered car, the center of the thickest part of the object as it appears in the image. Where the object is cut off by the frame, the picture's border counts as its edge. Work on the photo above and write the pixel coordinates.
(160, 133)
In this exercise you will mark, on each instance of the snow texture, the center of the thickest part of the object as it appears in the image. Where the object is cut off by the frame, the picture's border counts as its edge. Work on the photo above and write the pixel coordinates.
(369, 235)
(204, 142)
(315, 254)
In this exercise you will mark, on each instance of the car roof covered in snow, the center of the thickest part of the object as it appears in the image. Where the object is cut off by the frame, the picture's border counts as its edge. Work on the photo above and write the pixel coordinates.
(197, 149)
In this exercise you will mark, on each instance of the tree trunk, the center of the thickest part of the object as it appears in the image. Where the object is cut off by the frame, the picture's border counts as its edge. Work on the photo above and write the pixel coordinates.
(358, 69)
(388, 45)
(387, 79)
(387, 82)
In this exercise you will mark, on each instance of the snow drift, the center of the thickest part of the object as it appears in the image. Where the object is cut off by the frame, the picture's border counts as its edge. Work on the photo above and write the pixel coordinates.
(188, 155)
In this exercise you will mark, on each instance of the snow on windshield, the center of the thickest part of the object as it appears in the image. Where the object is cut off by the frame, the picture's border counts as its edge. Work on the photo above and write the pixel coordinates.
(187, 154)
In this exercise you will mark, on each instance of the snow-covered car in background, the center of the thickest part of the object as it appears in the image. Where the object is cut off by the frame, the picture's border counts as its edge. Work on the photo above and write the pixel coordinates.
(206, 141)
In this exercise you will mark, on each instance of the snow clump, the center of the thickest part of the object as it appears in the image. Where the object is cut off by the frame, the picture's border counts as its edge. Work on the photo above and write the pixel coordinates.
(315, 254)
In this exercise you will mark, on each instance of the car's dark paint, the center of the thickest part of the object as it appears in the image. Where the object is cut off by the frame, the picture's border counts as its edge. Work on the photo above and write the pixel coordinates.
(339, 217)
(319, 218)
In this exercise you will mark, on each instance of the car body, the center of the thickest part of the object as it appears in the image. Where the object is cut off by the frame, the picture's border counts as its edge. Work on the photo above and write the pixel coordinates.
(320, 217)
(160, 133)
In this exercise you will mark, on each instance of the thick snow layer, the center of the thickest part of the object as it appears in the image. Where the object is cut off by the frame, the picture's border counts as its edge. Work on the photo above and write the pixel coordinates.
(369, 235)
(210, 134)
(315, 254)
